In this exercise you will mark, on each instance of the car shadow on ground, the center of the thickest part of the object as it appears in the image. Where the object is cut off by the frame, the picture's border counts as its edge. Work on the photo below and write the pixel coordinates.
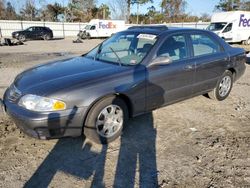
(135, 161)
(136, 155)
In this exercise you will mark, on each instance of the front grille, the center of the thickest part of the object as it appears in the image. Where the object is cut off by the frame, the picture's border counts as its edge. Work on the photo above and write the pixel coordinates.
(14, 93)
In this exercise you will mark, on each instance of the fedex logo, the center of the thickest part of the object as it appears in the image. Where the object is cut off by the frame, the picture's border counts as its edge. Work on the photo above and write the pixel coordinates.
(244, 21)
(108, 25)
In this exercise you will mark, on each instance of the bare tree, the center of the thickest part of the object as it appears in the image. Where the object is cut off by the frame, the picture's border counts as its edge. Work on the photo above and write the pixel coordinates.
(205, 17)
(10, 11)
(173, 8)
(29, 11)
(118, 10)
(2, 9)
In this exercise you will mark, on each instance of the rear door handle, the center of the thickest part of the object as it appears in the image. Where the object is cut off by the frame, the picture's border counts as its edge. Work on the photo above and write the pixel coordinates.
(189, 67)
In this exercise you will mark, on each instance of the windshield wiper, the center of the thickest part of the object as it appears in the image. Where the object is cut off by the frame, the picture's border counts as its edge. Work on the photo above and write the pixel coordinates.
(98, 51)
(118, 58)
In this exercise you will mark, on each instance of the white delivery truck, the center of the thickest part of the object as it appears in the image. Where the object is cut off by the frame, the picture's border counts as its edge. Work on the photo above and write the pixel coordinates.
(97, 28)
(233, 26)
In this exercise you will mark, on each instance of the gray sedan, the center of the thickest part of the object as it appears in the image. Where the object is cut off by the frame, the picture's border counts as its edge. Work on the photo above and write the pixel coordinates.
(131, 73)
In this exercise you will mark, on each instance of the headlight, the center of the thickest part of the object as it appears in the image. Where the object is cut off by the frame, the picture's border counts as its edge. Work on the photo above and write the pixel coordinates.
(16, 34)
(41, 104)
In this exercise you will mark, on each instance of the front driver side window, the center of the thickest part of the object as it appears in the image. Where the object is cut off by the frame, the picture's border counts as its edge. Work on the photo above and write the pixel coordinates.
(92, 27)
(174, 47)
(228, 28)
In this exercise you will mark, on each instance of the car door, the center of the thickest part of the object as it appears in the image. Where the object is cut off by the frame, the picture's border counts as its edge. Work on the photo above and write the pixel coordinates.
(39, 32)
(227, 33)
(28, 33)
(171, 82)
(210, 59)
(31, 34)
(93, 31)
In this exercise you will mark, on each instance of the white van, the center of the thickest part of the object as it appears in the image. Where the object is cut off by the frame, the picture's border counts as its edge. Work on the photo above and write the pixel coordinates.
(101, 28)
(233, 26)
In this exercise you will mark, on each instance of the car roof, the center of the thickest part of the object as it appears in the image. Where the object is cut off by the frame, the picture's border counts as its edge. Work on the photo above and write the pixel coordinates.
(158, 29)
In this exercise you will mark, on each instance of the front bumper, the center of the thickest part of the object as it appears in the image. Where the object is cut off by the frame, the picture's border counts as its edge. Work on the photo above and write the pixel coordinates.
(66, 123)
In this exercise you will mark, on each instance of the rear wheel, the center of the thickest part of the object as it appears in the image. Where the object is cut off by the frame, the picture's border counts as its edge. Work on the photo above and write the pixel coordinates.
(88, 36)
(223, 87)
(47, 37)
(105, 120)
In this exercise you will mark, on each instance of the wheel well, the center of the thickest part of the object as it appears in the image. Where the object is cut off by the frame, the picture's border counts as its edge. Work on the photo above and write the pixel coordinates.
(233, 71)
(128, 103)
(122, 96)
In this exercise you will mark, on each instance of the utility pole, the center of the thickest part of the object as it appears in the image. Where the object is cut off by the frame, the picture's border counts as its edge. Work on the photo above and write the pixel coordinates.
(137, 17)
(104, 12)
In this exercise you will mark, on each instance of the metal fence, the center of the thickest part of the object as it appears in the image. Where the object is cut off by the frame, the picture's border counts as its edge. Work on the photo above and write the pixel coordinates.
(66, 29)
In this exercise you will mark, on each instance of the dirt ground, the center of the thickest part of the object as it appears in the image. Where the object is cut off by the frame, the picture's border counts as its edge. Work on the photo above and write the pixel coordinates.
(195, 143)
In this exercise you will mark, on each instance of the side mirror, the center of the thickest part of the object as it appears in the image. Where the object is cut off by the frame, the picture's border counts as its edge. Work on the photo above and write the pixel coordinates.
(161, 60)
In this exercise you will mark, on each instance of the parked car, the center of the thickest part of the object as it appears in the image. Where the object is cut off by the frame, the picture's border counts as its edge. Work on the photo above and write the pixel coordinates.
(133, 72)
(34, 32)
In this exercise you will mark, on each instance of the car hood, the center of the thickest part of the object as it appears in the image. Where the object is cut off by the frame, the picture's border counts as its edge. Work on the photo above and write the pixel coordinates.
(21, 31)
(57, 75)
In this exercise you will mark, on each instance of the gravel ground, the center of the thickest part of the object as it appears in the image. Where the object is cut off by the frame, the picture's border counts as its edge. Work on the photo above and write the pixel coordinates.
(195, 143)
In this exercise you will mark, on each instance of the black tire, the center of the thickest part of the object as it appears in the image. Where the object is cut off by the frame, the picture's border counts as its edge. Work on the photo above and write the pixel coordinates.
(22, 38)
(216, 93)
(46, 37)
(90, 128)
(88, 36)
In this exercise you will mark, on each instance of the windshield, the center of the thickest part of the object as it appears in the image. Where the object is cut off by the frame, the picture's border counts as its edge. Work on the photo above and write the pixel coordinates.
(124, 48)
(216, 26)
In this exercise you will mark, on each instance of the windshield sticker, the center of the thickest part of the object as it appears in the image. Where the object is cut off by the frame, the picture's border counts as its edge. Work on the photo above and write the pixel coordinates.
(133, 61)
(146, 36)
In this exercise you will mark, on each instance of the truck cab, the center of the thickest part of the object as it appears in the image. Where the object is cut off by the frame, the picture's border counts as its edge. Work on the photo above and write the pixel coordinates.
(233, 26)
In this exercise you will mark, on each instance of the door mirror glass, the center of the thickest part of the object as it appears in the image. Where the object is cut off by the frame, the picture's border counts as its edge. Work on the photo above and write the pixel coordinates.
(161, 60)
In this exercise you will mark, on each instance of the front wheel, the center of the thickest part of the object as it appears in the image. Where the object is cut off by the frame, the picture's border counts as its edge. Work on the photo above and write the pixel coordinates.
(223, 87)
(22, 38)
(105, 120)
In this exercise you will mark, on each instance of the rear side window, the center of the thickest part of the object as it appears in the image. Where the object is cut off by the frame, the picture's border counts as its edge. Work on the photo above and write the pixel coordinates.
(175, 47)
(204, 45)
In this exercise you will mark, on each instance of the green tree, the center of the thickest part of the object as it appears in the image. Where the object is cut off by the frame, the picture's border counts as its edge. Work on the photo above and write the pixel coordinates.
(139, 3)
(151, 13)
(246, 6)
(54, 11)
(228, 5)
(80, 10)
(103, 11)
